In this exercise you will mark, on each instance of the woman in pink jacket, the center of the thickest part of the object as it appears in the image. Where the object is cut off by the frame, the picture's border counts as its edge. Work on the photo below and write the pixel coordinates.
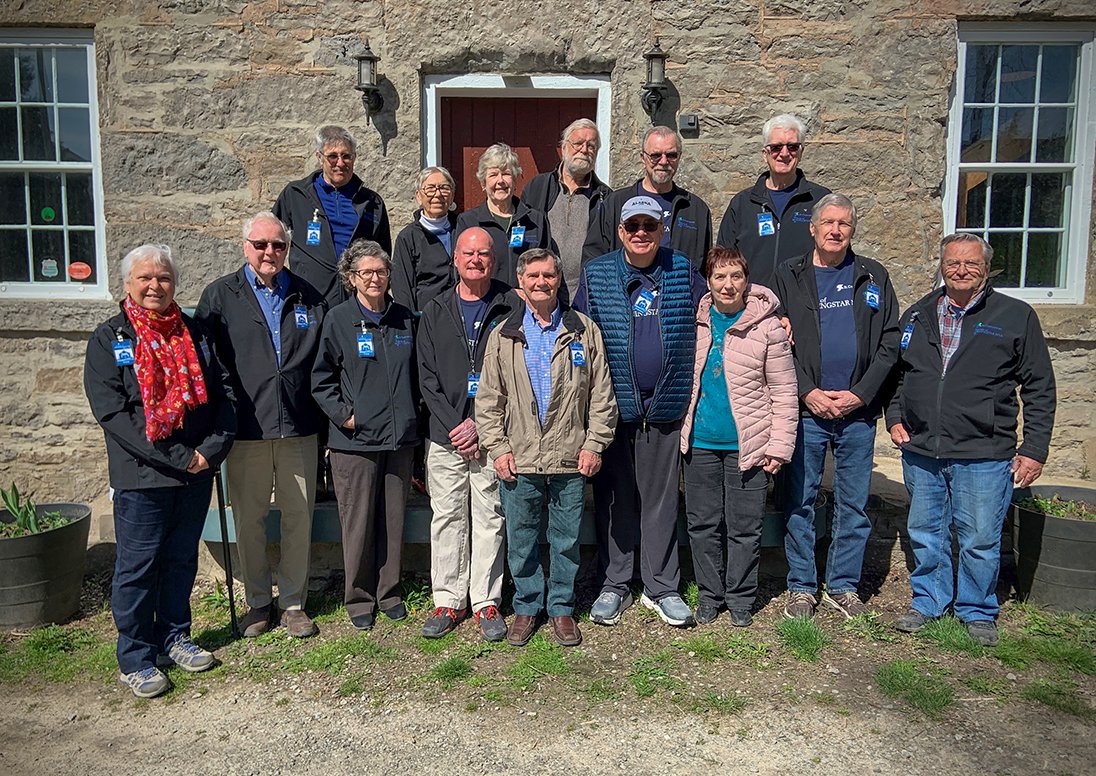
(739, 429)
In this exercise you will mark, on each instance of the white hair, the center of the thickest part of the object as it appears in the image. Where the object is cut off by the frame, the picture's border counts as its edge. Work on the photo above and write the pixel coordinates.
(783, 121)
(576, 125)
(157, 254)
(266, 215)
(334, 135)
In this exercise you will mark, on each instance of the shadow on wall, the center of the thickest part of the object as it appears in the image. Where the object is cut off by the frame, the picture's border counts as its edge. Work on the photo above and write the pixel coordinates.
(385, 120)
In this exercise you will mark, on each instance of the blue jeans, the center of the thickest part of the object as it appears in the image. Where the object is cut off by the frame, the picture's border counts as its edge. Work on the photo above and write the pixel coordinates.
(523, 502)
(853, 444)
(156, 533)
(972, 495)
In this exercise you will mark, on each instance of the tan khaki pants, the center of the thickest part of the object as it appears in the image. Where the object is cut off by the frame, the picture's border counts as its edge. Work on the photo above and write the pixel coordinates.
(466, 531)
(288, 468)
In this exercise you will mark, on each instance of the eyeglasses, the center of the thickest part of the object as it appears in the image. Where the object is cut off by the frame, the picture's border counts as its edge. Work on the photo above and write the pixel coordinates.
(261, 245)
(366, 274)
(793, 148)
(432, 191)
(650, 227)
(670, 156)
(951, 266)
(589, 145)
(335, 158)
(844, 226)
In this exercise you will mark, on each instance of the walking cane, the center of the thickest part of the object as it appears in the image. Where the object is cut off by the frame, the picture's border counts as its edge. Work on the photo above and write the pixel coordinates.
(226, 553)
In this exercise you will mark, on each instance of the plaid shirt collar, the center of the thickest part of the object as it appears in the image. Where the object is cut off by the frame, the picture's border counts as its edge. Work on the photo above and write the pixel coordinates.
(951, 323)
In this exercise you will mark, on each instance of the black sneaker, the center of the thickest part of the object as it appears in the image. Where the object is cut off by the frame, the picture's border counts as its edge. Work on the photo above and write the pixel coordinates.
(984, 632)
(911, 622)
(741, 618)
(444, 620)
(491, 624)
(363, 621)
(706, 613)
(397, 612)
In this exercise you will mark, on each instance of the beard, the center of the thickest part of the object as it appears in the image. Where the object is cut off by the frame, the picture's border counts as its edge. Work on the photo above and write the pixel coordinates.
(579, 165)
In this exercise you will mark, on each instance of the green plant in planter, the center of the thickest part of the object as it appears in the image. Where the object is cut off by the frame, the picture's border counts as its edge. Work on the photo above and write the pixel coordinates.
(26, 520)
(1055, 506)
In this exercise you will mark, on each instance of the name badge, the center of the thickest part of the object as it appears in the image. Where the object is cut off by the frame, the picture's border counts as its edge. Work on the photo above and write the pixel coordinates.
(365, 345)
(765, 225)
(473, 384)
(643, 304)
(205, 349)
(123, 353)
(313, 236)
(907, 334)
(578, 354)
(871, 296)
(300, 316)
(517, 236)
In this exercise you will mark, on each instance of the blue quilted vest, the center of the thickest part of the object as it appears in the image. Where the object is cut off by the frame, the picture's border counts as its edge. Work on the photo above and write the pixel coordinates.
(608, 305)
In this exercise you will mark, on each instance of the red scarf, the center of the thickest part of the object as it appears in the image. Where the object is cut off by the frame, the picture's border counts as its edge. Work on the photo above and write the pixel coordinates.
(167, 368)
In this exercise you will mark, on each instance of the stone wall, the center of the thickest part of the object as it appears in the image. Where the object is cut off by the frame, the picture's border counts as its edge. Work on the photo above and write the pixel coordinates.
(207, 109)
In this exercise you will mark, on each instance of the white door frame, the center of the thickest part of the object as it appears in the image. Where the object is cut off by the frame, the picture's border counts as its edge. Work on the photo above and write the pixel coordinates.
(493, 85)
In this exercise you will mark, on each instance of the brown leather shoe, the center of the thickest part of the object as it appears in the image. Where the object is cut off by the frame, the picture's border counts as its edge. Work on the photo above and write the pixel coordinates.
(522, 628)
(257, 621)
(566, 631)
(298, 624)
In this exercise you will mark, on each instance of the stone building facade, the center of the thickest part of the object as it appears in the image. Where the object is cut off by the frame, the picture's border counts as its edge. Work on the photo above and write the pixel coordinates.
(206, 109)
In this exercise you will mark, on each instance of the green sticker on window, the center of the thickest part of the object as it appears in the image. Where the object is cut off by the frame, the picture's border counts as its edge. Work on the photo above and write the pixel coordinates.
(48, 214)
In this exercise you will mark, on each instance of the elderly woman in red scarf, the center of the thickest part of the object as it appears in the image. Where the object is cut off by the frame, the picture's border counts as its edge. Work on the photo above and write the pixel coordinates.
(167, 411)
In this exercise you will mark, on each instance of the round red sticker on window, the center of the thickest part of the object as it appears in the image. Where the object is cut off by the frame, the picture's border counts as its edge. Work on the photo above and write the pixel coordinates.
(79, 270)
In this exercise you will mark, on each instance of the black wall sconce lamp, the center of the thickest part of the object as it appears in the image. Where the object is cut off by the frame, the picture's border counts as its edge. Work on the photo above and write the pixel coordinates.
(654, 91)
(372, 100)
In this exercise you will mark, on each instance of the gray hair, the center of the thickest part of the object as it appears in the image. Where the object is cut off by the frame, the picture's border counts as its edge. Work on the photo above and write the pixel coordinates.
(662, 131)
(157, 254)
(499, 155)
(266, 215)
(355, 252)
(538, 254)
(783, 121)
(334, 135)
(576, 125)
(834, 200)
(428, 171)
(967, 237)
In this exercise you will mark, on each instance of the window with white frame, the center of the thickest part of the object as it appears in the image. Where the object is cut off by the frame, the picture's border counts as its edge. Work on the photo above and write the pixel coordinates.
(51, 241)
(1020, 154)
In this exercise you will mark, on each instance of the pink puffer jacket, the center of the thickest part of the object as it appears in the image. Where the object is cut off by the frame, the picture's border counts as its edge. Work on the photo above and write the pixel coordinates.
(760, 373)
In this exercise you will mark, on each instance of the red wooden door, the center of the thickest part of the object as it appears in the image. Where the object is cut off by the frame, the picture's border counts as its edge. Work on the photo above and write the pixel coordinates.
(529, 125)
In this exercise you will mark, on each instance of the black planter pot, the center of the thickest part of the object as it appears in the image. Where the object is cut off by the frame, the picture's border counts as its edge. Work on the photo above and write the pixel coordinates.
(1055, 558)
(41, 574)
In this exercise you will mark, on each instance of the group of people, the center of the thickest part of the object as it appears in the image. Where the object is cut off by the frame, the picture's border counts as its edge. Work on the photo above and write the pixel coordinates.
(535, 342)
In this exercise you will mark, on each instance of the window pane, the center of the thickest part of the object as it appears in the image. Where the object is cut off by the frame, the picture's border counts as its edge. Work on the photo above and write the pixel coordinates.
(45, 198)
(13, 207)
(35, 75)
(1044, 260)
(1049, 199)
(981, 76)
(38, 134)
(972, 200)
(1007, 252)
(82, 248)
(1055, 143)
(9, 133)
(1014, 134)
(75, 134)
(1059, 77)
(977, 135)
(1018, 73)
(81, 203)
(7, 75)
(13, 256)
(49, 255)
(1006, 199)
(72, 75)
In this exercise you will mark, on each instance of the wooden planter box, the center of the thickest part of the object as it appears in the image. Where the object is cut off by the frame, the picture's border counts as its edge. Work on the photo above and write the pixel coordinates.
(1055, 558)
(41, 575)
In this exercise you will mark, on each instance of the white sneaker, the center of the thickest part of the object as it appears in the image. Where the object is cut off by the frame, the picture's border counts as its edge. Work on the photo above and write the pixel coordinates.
(671, 609)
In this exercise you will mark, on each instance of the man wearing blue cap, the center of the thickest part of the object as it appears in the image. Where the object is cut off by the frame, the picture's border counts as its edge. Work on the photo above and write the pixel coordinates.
(643, 297)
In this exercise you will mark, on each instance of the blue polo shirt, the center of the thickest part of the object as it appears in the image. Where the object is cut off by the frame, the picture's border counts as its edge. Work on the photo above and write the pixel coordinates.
(540, 344)
(271, 302)
(338, 205)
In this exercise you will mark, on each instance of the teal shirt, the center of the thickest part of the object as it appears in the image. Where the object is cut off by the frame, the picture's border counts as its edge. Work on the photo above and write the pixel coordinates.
(713, 426)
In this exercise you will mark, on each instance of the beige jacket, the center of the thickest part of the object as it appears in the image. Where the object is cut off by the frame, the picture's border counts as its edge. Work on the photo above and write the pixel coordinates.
(582, 411)
(760, 374)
